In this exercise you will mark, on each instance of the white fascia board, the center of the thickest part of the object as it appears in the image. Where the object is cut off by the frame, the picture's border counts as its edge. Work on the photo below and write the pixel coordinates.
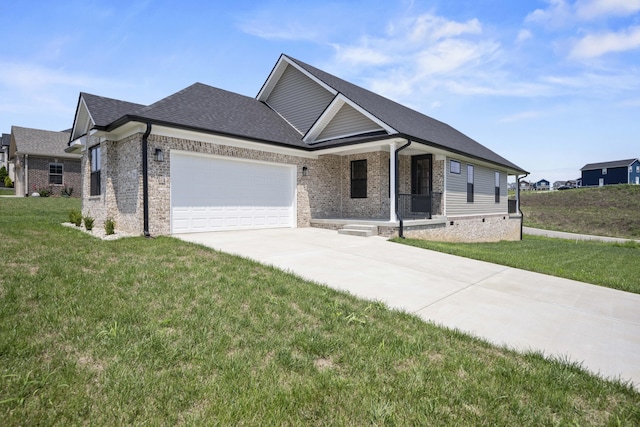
(82, 105)
(77, 145)
(331, 111)
(277, 72)
(124, 131)
(230, 141)
(367, 147)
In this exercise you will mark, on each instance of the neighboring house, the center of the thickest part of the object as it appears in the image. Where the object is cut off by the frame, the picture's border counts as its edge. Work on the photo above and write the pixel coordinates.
(542, 185)
(5, 142)
(40, 162)
(527, 186)
(611, 173)
(309, 150)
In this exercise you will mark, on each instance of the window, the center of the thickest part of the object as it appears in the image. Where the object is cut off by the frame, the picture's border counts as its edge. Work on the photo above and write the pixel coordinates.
(358, 179)
(604, 171)
(469, 183)
(94, 159)
(637, 169)
(454, 166)
(55, 173)
(497, 187)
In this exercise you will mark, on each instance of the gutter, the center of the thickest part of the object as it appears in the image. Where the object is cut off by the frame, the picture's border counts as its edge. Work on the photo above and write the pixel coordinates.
(145, 180)
(518, 202)
(397, 177)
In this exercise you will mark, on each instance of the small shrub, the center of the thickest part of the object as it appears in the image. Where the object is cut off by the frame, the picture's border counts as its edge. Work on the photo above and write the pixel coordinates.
(7, 182)
(66, 192)
(44, 192)
(75, 217)
(109, 226)
(3, 173)
(88, 223)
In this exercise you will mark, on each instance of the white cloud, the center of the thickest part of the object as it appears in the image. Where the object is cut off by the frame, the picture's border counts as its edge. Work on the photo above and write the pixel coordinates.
(524, 35)
(595, 45)
(361, 55)
(561, 13)
(556, 15)
(593, 9)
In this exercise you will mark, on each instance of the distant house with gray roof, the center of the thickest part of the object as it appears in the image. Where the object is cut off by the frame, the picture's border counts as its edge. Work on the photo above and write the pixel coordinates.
(310, 149)
(40, 162)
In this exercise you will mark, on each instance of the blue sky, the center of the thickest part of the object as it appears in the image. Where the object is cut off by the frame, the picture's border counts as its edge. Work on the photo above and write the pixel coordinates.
(551, 85)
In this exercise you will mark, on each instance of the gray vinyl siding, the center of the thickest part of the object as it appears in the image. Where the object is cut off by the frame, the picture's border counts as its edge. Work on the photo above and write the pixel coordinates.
(484, 191)
(299, 99)
(348, 121)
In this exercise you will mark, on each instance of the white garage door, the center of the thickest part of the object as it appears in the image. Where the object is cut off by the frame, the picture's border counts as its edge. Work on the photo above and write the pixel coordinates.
(215, 193)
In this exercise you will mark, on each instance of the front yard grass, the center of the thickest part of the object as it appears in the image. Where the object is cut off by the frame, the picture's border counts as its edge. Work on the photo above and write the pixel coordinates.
(163, 332)
(613, 265)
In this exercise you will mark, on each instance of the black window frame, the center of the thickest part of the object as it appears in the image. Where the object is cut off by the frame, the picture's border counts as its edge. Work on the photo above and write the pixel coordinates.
(58, 173)
(497, 184)
(470, 181)
(359, 179)
(94, 160)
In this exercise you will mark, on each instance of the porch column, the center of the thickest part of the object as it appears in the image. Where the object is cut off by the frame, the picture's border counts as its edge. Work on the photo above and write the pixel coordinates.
(392, 181)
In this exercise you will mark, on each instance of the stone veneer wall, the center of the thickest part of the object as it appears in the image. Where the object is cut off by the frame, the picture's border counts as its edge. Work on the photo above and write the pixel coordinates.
(490, 228)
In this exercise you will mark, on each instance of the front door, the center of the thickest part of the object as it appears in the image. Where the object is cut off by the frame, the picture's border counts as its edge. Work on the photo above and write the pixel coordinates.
(421, 172)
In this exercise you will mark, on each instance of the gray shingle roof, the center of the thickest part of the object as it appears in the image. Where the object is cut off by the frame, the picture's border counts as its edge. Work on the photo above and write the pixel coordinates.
(40, 142)
(407, 121)
(613, 164)
(6, 140)
(210, 109)
(105, 111)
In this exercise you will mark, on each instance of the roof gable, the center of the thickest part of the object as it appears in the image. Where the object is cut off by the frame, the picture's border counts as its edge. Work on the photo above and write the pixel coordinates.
(99, 111)
(407, 121)
(343, 119)
(296, 96)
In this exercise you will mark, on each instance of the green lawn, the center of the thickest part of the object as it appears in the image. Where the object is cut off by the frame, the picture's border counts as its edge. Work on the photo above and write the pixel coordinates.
(613, 265)
(162, 332)
(604, 211)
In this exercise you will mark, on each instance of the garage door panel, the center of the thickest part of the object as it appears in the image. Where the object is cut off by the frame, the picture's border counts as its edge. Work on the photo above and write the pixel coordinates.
(212, 193)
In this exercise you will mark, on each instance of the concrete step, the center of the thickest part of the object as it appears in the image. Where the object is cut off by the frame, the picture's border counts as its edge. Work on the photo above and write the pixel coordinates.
(359, 230)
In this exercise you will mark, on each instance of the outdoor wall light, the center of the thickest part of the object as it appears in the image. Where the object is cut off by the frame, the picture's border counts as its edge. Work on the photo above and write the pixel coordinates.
(305, 171)
(159, 155)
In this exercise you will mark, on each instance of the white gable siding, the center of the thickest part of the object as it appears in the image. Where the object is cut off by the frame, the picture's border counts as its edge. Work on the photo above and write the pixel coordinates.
(348, 121)
(484, 191)
(298, 99)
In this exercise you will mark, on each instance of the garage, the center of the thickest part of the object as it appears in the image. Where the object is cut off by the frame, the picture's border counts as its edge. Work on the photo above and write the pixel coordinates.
(211, 193)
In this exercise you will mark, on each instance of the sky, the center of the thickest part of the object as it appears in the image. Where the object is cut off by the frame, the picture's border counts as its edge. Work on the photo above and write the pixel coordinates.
(551, 85)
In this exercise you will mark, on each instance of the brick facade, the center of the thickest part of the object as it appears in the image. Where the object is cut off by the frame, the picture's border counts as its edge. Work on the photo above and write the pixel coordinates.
(38, 176)
(323, 193)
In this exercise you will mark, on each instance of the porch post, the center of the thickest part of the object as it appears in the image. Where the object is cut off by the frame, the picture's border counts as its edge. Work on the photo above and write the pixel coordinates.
(392, 181)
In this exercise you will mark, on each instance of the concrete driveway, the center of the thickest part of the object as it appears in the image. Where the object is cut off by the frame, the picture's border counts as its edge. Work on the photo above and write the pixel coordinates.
(596, 326)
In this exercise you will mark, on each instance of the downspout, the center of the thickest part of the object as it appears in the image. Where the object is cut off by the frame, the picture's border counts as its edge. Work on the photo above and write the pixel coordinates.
(398, 215)
(145, 181)
(518, 202)
(26, 175)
